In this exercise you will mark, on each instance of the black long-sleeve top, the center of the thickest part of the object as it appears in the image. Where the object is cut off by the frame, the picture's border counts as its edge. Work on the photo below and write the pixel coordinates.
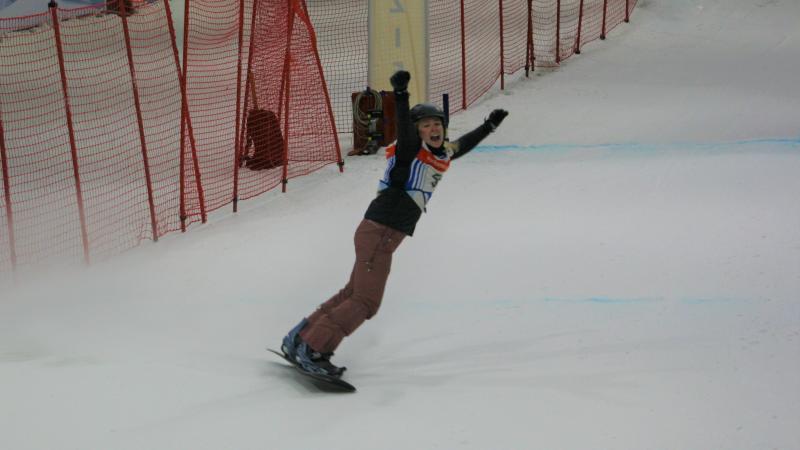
(393, 206)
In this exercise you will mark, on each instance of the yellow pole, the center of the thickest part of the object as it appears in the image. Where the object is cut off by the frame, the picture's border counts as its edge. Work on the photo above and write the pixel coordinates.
(398, 39)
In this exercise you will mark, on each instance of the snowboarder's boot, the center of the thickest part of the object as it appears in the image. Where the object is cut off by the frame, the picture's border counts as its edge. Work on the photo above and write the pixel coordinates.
(306, 357)
(316, 362)
(292, 340)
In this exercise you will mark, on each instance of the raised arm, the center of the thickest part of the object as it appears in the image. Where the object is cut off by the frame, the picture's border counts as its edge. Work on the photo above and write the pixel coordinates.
(408, 142)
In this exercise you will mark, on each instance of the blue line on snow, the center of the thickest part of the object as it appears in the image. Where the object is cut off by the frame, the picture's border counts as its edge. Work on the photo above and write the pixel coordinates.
(606, 300)
(792, 143)
(711, 301)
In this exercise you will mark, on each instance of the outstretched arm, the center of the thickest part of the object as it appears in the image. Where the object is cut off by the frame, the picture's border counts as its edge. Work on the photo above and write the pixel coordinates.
(467, 142)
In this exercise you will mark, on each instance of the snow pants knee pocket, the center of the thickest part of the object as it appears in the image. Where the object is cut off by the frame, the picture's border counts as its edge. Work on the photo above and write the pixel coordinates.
(374, 244)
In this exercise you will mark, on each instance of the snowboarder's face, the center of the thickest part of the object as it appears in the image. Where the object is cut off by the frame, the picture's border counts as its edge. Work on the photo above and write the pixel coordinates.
(431, 131)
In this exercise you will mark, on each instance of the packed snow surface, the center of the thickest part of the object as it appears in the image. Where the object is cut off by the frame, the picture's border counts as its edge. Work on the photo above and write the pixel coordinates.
(617, 267)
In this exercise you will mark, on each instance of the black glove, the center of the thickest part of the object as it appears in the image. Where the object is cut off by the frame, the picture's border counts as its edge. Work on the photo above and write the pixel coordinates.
(400, 80)
(496, 118)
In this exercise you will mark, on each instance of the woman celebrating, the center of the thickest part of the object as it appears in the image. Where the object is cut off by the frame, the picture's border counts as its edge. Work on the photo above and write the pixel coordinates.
(416, 163)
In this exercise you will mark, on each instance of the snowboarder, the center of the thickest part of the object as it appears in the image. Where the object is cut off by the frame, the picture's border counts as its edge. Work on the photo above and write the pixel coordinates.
(415, 165)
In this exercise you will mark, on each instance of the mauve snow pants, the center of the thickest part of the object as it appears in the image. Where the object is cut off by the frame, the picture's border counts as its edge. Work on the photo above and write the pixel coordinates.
(360, 299)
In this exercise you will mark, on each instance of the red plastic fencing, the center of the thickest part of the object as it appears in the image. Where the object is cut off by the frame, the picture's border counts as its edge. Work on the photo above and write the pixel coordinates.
(471, 43)
(231, 71)
(343, 48)
(287, 80)
(212, 45)
(88, 115)
(108, 137)
(104, 142)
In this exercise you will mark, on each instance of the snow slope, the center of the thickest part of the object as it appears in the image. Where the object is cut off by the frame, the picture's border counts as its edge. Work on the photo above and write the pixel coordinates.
(618, 267)
(19, 8)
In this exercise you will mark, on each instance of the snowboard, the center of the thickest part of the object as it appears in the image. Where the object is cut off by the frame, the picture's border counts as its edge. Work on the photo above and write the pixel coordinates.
(324, 382)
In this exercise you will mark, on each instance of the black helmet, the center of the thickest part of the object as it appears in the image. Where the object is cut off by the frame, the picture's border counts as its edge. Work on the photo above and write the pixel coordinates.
(424, 110)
